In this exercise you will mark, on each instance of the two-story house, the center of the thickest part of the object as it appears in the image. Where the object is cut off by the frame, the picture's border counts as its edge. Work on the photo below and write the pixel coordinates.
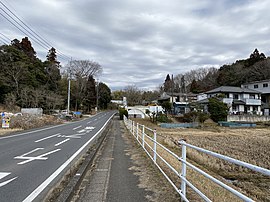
(264, 88)
(180, 101)
(239, 100)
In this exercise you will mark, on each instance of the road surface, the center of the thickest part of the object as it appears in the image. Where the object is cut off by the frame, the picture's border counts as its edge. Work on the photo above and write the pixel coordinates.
(32, 162)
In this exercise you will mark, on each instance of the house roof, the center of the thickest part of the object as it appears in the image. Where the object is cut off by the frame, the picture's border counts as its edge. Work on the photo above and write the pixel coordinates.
(203, 101)
(232, 89)
(253, 82)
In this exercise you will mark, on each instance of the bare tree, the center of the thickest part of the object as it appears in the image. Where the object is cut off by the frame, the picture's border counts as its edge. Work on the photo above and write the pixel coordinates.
(192, 75)
(84, 68)
(80, 71)
(133, 95)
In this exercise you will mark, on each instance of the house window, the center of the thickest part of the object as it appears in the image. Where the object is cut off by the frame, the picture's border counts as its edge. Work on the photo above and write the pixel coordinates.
(235, 96)
(252, 96)
(256, 86)
(265, 85)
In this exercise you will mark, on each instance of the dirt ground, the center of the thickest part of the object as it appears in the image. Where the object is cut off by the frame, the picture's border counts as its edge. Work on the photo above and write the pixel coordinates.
(251, 145)
(150, 178)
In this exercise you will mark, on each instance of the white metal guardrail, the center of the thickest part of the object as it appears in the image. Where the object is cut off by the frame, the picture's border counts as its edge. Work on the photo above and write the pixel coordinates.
(147, 138)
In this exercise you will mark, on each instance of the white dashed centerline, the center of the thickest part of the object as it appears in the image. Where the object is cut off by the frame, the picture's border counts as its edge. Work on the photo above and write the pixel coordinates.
(45, 138)
(76, 128)
(59, 143)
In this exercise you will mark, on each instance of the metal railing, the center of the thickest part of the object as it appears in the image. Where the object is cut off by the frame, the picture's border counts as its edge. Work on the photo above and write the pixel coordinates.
(147, 138)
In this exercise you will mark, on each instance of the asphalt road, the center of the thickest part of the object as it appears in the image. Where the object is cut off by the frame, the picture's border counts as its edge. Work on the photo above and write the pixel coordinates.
(32, 162)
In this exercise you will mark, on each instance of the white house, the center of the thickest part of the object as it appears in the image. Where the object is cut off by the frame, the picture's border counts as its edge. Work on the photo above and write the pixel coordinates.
(239, 100)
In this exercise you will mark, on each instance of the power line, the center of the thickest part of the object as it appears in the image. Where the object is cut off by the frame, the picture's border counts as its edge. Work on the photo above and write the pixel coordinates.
(25, 28)
(3, 40)
(5, 37)
(34, 33)
(19, 27)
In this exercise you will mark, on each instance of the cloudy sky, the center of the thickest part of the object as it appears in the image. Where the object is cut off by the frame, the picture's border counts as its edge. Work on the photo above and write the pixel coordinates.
(139, 42)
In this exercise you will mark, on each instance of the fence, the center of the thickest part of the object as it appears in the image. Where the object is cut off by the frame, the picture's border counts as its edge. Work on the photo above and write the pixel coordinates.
(147, 138)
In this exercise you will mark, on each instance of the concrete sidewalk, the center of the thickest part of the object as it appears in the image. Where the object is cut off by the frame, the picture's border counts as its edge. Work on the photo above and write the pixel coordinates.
(110, 178)
(121, 172)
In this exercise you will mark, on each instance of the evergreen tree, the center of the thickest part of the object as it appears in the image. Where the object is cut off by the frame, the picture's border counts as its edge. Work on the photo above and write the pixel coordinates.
(90, 94)
(52, 69)
(167, 84)
(104, 95)
(217, 109)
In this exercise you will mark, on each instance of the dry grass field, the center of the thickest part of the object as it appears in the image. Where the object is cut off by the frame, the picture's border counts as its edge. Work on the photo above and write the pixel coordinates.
(251, 145)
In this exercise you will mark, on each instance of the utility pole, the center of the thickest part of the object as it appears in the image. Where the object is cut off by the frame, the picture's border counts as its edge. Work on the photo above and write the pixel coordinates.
(68, 95)
(69, 78)
(97, 97)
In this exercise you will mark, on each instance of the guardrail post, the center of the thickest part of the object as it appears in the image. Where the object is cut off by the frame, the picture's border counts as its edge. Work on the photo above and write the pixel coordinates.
(143, 136)
(137, 131)
(155, 145)
(184, 168)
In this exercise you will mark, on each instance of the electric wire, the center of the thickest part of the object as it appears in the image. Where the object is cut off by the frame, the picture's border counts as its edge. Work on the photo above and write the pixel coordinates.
(8, 39)
(25, 28)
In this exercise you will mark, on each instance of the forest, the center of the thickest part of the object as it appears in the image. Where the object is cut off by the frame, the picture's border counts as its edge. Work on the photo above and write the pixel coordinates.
(255, 68)
(28, 82)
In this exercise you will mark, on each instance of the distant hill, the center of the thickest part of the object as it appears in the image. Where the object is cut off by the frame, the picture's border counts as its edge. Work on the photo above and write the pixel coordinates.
(254, 68)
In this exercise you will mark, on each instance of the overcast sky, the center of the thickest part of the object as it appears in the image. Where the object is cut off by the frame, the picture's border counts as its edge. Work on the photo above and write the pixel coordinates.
(139, 42)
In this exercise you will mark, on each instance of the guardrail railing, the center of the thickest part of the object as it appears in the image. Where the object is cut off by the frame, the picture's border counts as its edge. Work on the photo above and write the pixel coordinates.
(147, 138)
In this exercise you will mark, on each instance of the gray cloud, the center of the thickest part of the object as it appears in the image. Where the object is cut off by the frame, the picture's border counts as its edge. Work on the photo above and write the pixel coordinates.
(138, 42)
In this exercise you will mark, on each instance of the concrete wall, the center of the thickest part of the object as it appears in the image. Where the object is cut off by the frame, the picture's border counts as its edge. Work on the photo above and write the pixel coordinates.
(248, 118)
(32, 111)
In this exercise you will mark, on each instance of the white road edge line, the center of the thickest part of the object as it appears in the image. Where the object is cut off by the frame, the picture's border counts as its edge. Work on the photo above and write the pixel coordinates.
(59, 143)
(45, 138)
(77, 127)
(43, 185)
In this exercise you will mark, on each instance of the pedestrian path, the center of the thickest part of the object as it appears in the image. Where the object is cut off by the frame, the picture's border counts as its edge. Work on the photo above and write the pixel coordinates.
(110, 179)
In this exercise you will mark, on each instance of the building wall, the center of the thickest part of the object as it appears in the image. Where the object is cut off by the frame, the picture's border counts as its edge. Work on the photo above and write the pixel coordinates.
(263, 86)
(248, 118)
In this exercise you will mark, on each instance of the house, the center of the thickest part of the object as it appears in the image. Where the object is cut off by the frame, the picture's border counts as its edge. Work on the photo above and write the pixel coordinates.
(180, 101)
(239, 100)
(264, 88)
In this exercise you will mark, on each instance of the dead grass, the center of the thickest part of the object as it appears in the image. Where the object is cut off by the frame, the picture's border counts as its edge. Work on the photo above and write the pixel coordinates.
(249, 145)
(19, 123)
(8, 131)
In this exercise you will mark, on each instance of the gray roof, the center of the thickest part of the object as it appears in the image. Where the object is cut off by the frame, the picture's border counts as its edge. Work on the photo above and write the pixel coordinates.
(232, 89)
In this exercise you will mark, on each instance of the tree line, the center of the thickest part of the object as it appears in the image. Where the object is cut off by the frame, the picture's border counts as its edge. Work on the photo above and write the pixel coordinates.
(254, 68)
(26, 81)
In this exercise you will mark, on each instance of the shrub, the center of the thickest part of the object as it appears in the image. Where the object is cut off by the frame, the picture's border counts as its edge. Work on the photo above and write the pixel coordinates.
(163, 118)
(123, 112)
(217, 109)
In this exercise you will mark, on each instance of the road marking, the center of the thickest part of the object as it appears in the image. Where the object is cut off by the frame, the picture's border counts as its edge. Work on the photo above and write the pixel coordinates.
(44, 184)
(47, 137)
(34, 131)
(90, 128)
(31, 158)
(72, 136)
(34, 150)
(89, 122)
(81, 131)
(59, 143)
(3, 175)
(76, 128)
